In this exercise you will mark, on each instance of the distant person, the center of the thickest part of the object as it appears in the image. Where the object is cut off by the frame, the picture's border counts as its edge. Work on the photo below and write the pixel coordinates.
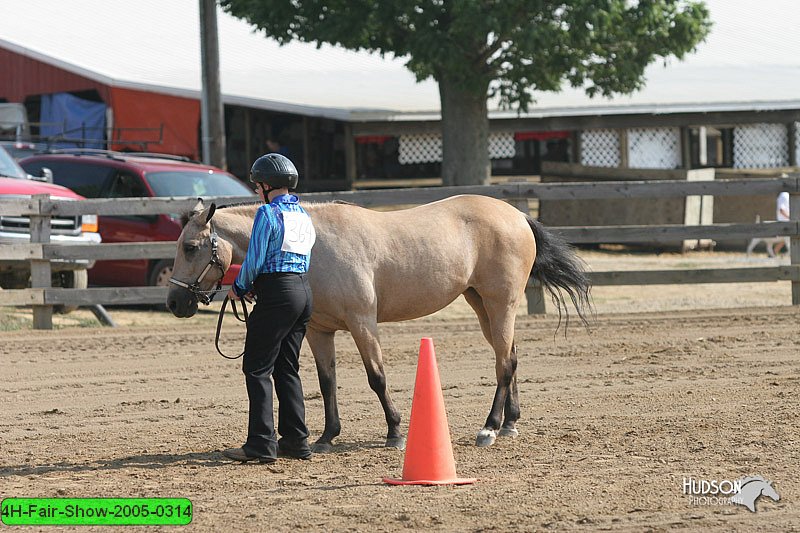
(781, 214)
(274, 146)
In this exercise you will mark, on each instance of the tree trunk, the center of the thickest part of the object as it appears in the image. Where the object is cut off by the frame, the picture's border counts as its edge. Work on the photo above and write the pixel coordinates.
(465, 135)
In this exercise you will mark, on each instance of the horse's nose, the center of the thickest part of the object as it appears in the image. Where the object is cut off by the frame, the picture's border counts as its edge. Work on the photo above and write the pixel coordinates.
(181, 303)
(174, 301)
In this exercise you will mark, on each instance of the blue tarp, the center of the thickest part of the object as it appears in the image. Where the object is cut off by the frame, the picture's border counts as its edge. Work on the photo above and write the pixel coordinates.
(66, 116)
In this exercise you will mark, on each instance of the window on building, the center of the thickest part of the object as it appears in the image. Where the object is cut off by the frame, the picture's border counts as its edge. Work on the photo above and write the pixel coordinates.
(420, 155)
(401, 157)
(654, 148)
(760, 145)
(531, 148)
(600, 148)
(325, 157)
(711, 146)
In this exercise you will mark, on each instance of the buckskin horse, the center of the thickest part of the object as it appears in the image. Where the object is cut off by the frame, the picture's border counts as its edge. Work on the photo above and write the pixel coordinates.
(369, 267)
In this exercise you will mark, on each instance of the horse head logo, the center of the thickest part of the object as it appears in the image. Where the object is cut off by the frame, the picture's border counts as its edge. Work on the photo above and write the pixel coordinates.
(752, 488)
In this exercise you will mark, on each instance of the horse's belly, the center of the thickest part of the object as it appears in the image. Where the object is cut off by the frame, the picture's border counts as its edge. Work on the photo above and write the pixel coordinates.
(410, 304)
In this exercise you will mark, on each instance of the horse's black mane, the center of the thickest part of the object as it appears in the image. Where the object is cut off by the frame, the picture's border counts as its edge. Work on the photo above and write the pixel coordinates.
(239, 204)
(258, 202)
(185, 217)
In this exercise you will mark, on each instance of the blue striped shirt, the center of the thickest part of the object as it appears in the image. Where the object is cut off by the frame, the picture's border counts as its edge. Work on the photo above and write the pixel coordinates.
(266, 252)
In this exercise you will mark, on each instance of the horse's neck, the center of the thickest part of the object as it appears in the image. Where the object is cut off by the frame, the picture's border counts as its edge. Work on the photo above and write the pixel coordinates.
(234, 225)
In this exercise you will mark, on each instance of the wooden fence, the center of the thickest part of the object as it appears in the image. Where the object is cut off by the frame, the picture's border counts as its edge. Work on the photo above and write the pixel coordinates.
(41, 208)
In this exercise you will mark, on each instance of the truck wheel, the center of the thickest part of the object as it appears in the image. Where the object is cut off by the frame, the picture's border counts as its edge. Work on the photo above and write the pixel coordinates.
(160, 273)
(70, 279)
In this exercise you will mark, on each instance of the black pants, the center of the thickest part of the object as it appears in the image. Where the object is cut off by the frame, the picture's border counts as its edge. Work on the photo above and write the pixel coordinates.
(275, 331)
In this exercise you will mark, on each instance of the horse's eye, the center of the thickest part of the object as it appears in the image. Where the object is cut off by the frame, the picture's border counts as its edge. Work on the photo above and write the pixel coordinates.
(189, 248)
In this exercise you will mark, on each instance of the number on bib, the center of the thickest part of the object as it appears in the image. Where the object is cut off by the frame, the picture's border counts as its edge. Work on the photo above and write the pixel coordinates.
(298, 234)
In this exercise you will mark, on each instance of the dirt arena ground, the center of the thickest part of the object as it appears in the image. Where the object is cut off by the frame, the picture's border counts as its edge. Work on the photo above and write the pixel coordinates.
(671, 382)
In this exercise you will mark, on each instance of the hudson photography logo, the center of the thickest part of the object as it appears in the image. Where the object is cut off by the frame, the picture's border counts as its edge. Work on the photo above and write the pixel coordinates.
(744, 491)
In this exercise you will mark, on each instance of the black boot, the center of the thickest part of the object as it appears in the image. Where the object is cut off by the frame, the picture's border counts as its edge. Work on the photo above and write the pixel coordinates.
(294, 449)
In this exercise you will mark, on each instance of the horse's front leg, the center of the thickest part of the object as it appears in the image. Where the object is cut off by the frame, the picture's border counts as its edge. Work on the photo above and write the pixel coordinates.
(324, 350)
(365, 335)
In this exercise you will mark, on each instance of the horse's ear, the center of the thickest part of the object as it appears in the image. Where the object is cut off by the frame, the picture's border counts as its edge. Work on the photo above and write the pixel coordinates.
(196, 210)
(211, 211)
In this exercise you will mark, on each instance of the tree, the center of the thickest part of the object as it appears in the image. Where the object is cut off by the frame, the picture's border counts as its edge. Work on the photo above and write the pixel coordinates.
(502, 49)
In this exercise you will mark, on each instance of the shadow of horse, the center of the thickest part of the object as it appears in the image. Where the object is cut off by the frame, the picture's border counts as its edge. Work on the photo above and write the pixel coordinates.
(210, 459)
(148, 461)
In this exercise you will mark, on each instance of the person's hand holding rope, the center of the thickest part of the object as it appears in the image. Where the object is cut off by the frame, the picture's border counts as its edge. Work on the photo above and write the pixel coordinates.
(235, 297)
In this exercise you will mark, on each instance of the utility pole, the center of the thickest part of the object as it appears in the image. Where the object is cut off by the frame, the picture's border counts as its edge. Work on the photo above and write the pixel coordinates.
(212, 113)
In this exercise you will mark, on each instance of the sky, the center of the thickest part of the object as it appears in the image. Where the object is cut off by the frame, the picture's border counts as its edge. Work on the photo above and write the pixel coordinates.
(752, 54)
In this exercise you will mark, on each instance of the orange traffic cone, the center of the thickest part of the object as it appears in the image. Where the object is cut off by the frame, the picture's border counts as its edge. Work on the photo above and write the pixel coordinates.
(429, 453)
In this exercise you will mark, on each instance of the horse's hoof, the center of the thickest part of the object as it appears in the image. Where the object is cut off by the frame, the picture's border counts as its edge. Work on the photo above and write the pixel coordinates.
(322, 447)
(486, 437)
(508, 432)
(396, 442)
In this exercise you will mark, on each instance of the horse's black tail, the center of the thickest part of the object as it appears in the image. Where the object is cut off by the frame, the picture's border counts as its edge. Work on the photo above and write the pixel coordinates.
(558, 268)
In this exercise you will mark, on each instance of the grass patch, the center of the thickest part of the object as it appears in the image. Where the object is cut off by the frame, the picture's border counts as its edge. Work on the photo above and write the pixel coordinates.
(21, 318)
(78, 323)
(687, 265)
(10, 322)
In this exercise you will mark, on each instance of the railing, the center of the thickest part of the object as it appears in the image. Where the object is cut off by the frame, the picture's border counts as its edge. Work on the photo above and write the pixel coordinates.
(40, 252)
(80, 135)
(40, 208)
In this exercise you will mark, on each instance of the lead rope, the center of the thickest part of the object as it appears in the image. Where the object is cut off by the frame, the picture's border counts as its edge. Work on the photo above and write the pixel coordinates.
(219, 323)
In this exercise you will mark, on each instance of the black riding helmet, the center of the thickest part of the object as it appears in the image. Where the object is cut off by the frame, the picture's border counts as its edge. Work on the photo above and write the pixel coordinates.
(275, 171)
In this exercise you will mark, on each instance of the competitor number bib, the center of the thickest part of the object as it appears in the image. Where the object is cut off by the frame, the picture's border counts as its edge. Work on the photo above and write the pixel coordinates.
(298, 234)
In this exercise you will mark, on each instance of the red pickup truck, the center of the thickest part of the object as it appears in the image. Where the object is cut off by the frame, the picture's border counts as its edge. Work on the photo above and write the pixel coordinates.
(16, 183)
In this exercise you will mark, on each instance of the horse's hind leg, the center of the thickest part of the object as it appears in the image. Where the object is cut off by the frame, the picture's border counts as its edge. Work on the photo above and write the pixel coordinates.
(365, 335)
(511, 409)
(501, 319)
(324, 350)
(476, 302)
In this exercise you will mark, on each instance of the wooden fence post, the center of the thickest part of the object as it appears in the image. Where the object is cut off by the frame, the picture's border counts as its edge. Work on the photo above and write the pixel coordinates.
(41, 275)
(534, 293)
(794, 240)
(698, 210)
